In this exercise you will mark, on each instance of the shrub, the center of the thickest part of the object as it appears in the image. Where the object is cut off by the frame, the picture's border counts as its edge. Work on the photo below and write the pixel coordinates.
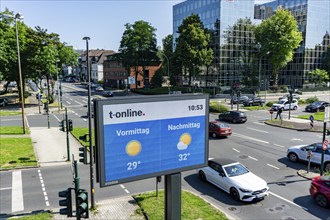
(217, 107)
(301, 101)
(311, 100)
(270, 104)
(26, 94)
(284, 89)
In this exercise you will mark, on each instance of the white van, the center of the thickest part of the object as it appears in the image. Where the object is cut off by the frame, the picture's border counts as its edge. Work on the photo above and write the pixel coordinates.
(284, 104)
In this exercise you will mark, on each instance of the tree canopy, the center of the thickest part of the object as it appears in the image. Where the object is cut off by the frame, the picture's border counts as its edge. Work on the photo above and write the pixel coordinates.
(192, 46)
(279, 37)
(39, 50)
(138, 46)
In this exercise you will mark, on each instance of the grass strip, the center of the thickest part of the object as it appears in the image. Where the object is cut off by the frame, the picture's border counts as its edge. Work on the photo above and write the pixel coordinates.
(192, 207)
(16, 152)
(39, 216)
(10, 113)
(6, 130)
(318, 116)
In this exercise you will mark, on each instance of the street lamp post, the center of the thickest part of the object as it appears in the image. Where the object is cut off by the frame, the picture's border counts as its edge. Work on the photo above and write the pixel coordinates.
(18, 16)
(258, 46)
(168, 72)
(91, 161)
(58, 87)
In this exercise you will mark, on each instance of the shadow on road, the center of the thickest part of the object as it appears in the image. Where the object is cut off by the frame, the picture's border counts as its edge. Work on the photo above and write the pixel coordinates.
(308, 202)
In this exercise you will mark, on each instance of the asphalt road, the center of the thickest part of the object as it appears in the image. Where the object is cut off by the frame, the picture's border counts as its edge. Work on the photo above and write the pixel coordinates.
(260, 147)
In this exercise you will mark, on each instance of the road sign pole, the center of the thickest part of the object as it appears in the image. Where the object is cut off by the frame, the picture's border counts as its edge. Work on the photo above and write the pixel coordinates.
(67, 135)
(323, 140)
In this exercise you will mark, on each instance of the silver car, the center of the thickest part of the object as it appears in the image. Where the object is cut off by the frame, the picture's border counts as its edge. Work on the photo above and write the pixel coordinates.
(302, 152)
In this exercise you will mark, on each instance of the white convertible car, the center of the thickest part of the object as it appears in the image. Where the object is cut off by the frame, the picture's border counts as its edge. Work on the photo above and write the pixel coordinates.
(235, 179)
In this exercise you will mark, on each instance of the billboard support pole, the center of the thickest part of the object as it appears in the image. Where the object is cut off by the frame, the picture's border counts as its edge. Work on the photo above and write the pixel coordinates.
(173, 196)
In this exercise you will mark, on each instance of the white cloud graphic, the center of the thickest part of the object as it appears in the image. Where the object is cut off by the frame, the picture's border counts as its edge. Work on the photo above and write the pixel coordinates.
(182, 146)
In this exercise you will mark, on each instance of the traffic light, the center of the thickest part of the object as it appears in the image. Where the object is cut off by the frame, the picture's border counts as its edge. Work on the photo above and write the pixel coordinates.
(84, 138)
(62, 127)
(70, 125)
(327, 132)
(83, 155)
(82, 204)
(67, 202)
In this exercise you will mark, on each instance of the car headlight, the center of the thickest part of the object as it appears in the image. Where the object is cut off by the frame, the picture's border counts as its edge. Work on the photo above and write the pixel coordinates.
(245, 190)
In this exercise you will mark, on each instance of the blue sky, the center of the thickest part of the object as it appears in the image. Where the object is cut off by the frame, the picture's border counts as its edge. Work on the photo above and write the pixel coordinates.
(103, 21)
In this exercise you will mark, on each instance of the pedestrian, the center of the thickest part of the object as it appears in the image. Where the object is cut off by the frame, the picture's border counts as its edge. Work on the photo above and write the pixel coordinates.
(278, 114)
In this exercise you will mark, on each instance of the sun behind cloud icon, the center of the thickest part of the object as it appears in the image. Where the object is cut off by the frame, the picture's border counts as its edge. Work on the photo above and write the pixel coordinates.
(133, 148)
(185, 140)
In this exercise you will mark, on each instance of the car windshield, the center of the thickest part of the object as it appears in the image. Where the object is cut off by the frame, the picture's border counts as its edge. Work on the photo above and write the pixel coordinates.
(236, 170)
(223, 126)
(281, 102)
(316, 103)
(242, 114)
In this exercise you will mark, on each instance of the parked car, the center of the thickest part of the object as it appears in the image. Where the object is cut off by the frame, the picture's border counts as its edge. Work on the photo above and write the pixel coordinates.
(318, 106)
(3, 102)
(233, 116)
(239, 100)
(286, 96)
(107, 94)
(254, 101)
(219, 129)
(301, 152)
(284, 104)
(99, 88)
(320, 190)
(234, 178)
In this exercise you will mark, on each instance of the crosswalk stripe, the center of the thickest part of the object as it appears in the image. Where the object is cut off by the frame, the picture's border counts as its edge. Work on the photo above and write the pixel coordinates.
(17, 203)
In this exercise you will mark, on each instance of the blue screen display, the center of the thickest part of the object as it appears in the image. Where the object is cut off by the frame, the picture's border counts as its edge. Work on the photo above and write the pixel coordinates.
(145, 147)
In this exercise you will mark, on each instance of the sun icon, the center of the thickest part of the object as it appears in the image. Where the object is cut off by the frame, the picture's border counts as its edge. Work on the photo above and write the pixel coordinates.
(133, 148)
(185, 140)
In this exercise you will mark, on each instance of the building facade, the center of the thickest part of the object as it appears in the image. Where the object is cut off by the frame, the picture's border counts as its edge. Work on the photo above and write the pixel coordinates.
(313, 18)
(234, 48)
(116, 75)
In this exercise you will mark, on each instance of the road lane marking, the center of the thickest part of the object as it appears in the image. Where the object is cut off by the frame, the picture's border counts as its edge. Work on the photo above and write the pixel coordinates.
(79, 103)
(272, 166)
(27, 122)
(68, 102)
(43, 188)
(296, 139)
(278, 145)
(6, 188)
(126, 191)
(257, 130)
(259, 123)
(122, 186)
(236, 150)
(254, 139)
(253, 158)
(17, 203)
(280, 197)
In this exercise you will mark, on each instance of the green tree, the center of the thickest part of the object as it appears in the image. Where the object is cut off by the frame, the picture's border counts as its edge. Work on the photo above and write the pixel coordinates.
(138, 47)
(157, 79)
(318, 76)
(167, 56)
(279, 37)
(326, 60)
(192, 45)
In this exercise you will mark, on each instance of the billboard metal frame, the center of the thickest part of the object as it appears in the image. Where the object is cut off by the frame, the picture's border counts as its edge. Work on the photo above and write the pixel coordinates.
(99, 134)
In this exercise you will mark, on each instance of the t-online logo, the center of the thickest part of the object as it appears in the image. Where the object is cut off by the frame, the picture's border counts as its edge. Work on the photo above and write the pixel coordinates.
(126, 114)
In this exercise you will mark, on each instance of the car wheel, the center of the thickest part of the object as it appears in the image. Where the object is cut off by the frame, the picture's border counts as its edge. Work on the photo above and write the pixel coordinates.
(293, 157)
(295, 108)
(234, 120)
(202, 176)
(214, 135)
(321, 200)
(327, 167)
(234, 194)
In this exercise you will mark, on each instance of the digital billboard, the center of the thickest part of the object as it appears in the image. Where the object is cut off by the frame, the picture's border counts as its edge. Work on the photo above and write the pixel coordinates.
(142, 137)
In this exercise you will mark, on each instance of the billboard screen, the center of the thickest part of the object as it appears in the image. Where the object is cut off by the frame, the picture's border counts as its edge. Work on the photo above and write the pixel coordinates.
(142, 137)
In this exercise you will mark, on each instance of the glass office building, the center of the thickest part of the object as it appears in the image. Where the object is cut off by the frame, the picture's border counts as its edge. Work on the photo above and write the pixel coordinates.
(313, 18)
(218, 16)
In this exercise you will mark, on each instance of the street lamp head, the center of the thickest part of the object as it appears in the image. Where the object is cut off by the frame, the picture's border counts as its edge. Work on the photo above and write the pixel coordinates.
(258, 46)
(19, 16)
(86, 38)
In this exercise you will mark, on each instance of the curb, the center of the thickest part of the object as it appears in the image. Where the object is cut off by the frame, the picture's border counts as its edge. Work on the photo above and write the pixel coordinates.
(309, 176)
(297, 129)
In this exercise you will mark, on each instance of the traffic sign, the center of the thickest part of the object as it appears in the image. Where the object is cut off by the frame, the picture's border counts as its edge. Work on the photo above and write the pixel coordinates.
(325, 144)
(271, 111)
(311, 118)
(327, 114)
